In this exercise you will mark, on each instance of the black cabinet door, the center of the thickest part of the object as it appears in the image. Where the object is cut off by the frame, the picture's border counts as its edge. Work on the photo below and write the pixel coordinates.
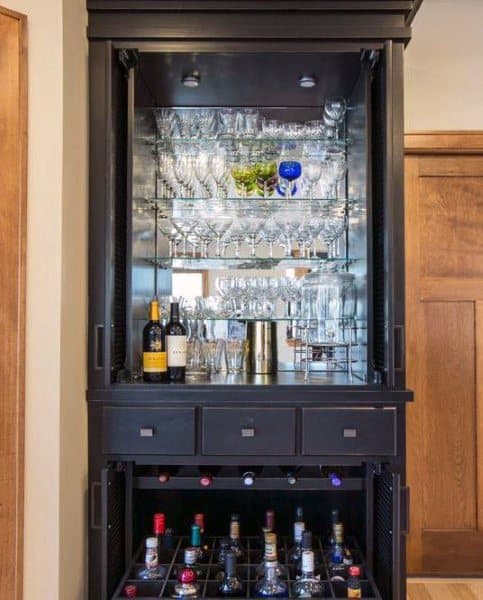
(248, 431)
(354, 431)
(168, 431)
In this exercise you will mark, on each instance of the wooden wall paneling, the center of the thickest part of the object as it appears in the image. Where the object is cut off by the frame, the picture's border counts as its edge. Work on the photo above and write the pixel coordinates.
(444, 304)
(13, 159)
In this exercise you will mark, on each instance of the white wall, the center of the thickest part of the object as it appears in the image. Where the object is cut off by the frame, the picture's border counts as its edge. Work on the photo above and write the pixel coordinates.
(55, 453)
(444, 67)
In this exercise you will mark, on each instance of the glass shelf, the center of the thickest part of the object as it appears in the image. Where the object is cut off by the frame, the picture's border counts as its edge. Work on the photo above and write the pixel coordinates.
(253, 203)
(337, 145)
(227, 263)
(348, 323)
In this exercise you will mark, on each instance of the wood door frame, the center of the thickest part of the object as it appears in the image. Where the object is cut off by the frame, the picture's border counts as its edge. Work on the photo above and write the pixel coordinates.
(13, 157)
(443, 147)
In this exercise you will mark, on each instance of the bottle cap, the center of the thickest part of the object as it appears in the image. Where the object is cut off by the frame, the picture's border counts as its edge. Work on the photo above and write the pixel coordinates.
(335, 480)
(159, 523)
(164, 477)
(151, 542)
(230, 563)
(308, 561)
(206, 480)
(130, 591)
(199, 520)
(195, 535)
(298, 529)
(190, 555)
(291, 478)
(334, 515)
(187, 576)
(354, 571)
(307, 540)
(270, 519)
(248, 478)
(299, 513)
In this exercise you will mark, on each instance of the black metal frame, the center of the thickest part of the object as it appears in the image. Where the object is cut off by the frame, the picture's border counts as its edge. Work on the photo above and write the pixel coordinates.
(381, 28)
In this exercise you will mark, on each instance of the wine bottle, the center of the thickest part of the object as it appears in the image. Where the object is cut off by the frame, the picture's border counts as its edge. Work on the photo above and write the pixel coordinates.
(196, 541)
(298, 529)
(231, 584)
(334, 475)
(176, 346)
(154, 351)
(187, 586)
(249, 474)
(291, 473)
(199, 519)
(159, 529)
(235, 544)
(165, 473)
(191, 562)
(271, 555)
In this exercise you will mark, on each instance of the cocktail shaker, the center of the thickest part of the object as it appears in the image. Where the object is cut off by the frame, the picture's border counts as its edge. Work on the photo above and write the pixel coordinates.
(262, 347)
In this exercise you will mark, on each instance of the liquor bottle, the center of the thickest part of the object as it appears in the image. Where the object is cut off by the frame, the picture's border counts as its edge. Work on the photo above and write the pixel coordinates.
(270, 585)
(337, 568)
(152, 569)
(176, 346)
(306, 546)
(235, 544)
(308, 586)
(225, 547)
(154, 352)
(186, 586)
(230, 585)
(298, 529)
(354, 589)
(199, 519)
(334, 519)
(196, 541)
(131, 591)
(191, 562)
(270, 519)
(169, 539)
(271, 555)
(338, 536)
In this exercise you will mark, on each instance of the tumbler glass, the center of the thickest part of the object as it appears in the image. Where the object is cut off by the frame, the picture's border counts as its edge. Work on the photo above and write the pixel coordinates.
(235, 355)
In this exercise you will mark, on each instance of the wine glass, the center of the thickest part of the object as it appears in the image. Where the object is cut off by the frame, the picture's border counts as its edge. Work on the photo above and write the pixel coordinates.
(218, 170)
(266, 177)
(312, 172)
(269, 233)
(244, 176)
(202, 169)
(167, 228)
(251, 225)
(183, 170)
(290, 170)
(334, 112)
(219, 225)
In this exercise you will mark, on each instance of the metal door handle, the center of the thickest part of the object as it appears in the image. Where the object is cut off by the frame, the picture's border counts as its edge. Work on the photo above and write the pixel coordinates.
(146, 432)
(350, 433)
(248, 432)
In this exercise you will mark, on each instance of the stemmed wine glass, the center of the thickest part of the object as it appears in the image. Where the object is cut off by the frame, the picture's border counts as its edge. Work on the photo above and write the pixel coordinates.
(202, 170)
(251, 225)
(219, 225)
(312, 172)
(218, 171)
(269, 233)
(168, 229)
(334, 112)
(183, 170)
(290, 170)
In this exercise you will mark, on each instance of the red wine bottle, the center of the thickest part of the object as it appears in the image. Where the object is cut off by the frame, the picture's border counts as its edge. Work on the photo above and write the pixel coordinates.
(176, 346)
(154, 351)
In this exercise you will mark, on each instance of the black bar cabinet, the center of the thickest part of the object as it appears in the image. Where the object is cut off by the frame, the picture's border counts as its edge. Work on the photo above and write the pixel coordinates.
(247, 54)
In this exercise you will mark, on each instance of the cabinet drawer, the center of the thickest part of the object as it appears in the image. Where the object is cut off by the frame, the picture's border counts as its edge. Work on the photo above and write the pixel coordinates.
(353, 431)
(148, 430)
(239, 431)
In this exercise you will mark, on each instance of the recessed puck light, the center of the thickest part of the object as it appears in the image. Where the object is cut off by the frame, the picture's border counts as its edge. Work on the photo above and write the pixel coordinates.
(191, 80)
(307, 81)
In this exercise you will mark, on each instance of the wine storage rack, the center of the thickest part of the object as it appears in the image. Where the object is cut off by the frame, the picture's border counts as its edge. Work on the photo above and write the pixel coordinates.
(246, 570)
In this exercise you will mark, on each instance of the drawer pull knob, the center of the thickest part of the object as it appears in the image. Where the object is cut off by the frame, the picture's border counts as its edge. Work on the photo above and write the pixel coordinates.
(248, 432)
(146, 432)
(350, 433)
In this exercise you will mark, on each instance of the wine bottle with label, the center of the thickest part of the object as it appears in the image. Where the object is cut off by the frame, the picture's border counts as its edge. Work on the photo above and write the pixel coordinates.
(154, 351)
(176, 346)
